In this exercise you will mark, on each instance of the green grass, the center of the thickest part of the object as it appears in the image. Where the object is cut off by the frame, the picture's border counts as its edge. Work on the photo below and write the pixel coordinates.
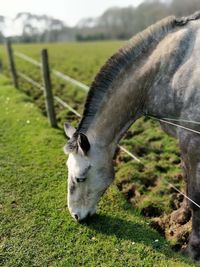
(36, 228)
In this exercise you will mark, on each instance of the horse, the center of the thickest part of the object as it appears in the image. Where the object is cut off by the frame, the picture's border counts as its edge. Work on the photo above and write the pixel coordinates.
(156, 73)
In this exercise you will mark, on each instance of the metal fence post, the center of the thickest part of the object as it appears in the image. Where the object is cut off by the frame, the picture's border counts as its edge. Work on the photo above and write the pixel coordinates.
(12, 63)
(48, 89)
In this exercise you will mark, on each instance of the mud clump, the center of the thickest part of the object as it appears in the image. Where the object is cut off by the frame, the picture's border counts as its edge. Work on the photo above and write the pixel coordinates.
(129, 134)
(141, 151)
(176, 200)
(161, 168)
(128, 189)
(150, 182)
(130, 192)
(181, 216)
(120, 157)
(178, 233)
(175, 227)
(158, 225)
(122, 184)
(154, 138)
(151, 211)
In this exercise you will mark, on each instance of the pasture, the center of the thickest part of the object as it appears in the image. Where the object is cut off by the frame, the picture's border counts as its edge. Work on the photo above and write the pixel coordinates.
(41, 220)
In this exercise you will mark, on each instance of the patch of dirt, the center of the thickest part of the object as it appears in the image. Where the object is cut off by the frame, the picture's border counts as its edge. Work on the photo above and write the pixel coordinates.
(141, 151)
(161, 168)
(181, 216)
(176, 161)
(121, 183)
(158, 225)
(149, 182)
(128, 189)
(129, 134)
(176, 200)
(173, 231)
(154, 138)
(130, 192)
(175, 226)
(172, 220)
(151, 211)
(120, 157)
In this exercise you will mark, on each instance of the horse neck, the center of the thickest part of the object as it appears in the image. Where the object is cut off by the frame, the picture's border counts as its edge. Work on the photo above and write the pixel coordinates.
(121, 106)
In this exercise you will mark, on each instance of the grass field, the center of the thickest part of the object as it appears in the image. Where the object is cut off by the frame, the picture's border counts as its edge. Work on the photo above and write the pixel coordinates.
(36, 229)
(143, 185)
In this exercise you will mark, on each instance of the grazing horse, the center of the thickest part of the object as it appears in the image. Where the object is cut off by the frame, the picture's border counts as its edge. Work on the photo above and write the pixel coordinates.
(156, 73)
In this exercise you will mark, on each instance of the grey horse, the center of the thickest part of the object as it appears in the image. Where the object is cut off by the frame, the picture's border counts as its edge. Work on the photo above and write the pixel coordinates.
(156, 73)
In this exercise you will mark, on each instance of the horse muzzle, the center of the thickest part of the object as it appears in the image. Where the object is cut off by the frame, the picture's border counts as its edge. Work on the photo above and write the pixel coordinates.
(83, 215)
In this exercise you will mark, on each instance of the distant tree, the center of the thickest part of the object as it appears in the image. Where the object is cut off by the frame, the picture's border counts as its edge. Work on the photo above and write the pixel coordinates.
(39, 28)
(122, 23)
(114, 23)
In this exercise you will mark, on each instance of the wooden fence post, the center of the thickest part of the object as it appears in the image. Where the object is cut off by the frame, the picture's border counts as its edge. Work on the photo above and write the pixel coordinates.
(12, 63)
(48, 89)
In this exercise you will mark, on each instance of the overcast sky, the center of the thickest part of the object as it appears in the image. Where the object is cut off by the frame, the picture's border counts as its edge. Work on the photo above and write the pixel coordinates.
(70, 11)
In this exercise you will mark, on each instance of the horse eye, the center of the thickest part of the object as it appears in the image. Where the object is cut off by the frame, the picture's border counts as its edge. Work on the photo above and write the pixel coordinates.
(80, 180)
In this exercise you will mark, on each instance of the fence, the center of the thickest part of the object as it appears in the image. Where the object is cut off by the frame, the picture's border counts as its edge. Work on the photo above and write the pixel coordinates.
(47, 87)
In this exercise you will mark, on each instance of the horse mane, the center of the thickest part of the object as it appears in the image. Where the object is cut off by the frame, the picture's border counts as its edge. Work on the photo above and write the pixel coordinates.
(136, 46)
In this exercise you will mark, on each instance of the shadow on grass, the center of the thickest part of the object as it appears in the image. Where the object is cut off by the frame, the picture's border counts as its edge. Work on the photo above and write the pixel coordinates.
(133, 232)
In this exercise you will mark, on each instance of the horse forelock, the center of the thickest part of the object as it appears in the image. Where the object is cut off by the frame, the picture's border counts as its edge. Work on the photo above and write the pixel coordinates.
(72, 144)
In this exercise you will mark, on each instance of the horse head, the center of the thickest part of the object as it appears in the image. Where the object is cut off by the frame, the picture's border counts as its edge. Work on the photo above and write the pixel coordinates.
(90, 172)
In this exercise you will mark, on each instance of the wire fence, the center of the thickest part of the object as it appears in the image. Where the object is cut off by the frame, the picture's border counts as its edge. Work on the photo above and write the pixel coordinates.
(46, 88)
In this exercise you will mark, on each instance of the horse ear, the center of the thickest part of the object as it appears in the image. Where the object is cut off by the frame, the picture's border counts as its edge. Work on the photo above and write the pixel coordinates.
(83, 143)
(69, 130)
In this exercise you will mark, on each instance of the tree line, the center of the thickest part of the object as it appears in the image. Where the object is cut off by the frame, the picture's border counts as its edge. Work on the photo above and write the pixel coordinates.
(122, 23)
(114, 23)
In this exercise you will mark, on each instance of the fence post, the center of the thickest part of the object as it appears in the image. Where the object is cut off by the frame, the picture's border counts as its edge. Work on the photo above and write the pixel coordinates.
(48, 89)
(12, 63)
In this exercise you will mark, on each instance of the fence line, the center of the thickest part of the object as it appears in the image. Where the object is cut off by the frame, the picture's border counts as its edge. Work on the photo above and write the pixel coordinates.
(58, 99)
(27, 58)
(55, 72)
(64, 104)
(71, 80)
(28, 79)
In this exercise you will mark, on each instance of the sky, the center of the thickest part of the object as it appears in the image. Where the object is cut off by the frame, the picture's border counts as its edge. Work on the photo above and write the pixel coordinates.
(70, 11)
